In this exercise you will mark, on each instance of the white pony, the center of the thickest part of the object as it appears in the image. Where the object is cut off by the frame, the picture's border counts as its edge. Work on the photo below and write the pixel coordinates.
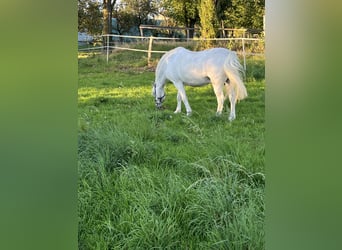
(219, 66)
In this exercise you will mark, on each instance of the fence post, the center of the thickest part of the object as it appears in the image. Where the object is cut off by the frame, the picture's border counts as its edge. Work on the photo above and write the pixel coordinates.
(107, 48)
(149, 51)
(243, 53)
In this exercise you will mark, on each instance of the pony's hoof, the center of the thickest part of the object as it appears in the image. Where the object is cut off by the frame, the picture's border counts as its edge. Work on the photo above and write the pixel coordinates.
(177, 111)
(231, 118)
(188, 113)
(218, 113)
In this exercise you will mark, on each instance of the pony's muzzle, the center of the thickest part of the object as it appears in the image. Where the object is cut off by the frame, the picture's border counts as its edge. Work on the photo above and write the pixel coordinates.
(159, 101)
(159, 104)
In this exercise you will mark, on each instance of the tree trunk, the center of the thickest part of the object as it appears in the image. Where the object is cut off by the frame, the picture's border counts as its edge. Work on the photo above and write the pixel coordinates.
(192, 28)
(107, 20)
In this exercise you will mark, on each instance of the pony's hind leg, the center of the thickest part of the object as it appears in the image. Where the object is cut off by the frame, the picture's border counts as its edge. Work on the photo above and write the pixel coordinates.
(230, 93)
(220, 98)
(232, 100)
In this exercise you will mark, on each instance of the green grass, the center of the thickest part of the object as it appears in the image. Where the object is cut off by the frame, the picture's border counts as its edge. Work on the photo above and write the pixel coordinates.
(152, 179)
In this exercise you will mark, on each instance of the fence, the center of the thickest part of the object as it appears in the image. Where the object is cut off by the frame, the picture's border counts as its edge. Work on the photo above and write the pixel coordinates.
(224, 32)
(241, 45)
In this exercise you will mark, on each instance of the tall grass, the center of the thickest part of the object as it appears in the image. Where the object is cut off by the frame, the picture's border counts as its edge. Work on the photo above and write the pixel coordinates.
(152, 179)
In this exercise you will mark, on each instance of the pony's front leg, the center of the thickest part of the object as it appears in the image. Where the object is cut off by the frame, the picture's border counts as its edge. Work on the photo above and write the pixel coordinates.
(182, 96)
(179, 103)
(220, 101)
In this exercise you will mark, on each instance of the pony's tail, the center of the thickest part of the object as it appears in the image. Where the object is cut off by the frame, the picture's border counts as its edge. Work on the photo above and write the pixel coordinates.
(234, 70)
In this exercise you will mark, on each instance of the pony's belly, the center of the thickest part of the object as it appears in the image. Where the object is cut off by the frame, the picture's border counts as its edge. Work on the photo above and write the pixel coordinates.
(196, 84)
(197, 81)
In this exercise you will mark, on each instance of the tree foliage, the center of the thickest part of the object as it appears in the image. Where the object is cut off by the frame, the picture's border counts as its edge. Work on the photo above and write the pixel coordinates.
(124, 19)
(89, 17)
(184, 12)
(245, 14)
(96, 14)
(141, 9)
(208, 21)
(220, 7)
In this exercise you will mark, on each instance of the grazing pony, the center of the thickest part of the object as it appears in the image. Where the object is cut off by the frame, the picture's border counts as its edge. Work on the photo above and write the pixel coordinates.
(219, 66)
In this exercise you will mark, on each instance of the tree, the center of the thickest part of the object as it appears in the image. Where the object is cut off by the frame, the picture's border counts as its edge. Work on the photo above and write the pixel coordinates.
(89, 17)
(208, 22)
(247, 14)
(141, 9)
(132, 13)
(107, 13)
(124, 19)
(184, 12)
(220, 7)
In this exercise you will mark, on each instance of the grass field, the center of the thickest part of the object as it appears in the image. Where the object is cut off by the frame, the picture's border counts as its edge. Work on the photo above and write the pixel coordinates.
(152, 179)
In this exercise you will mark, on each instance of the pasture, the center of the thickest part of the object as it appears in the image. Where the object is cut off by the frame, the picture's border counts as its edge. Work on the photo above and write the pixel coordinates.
(152, 179)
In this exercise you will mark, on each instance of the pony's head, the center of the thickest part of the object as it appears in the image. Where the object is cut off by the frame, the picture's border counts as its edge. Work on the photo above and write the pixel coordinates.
(159, 95)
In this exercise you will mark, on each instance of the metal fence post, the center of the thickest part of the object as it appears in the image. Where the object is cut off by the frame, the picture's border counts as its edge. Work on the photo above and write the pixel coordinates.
(107, 48)
(243, 53)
